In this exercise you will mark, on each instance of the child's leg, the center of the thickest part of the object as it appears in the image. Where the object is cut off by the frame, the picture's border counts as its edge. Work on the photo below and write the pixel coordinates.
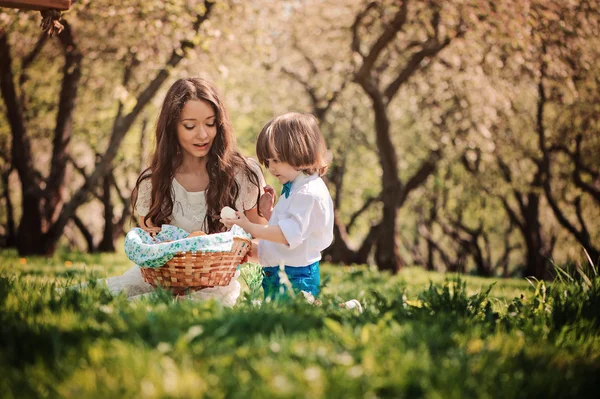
(306, 278)
(270, 281)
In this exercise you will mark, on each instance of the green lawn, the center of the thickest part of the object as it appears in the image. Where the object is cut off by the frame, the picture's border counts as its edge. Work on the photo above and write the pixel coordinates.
(421, 335)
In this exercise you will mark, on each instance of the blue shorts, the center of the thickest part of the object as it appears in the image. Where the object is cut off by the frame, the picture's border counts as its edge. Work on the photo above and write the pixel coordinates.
(302, 278)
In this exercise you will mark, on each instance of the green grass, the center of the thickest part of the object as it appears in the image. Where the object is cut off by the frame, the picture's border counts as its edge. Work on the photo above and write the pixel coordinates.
(421, 335)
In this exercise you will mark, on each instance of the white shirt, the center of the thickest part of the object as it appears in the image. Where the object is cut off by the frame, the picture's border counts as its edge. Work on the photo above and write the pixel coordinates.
(306, 220)
(189, 207)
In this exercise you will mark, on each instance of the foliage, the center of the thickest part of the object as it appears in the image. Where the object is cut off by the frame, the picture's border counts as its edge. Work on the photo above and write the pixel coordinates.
(462, 337)
(476, 101)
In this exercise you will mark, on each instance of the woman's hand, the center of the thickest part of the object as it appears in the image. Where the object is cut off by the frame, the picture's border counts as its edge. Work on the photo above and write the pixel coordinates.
(247, 257)
(252, 255)
(266, 202)
(153, 231)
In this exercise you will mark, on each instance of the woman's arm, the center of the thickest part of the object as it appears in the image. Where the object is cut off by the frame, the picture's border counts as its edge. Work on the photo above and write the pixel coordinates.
(249, 192)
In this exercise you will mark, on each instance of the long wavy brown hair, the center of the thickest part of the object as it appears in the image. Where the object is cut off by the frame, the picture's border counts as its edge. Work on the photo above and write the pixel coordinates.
(223, 160)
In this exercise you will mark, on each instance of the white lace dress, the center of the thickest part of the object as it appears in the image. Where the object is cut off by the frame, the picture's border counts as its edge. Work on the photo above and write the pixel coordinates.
(189, 209)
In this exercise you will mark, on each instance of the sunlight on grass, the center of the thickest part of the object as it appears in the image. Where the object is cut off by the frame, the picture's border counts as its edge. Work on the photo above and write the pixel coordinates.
(421, 334)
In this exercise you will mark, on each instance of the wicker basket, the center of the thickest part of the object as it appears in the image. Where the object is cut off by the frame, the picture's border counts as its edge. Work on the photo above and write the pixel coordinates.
(194, 271)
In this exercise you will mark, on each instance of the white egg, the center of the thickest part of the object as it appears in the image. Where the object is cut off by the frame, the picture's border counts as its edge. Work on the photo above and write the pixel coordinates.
(228, 213)
(352, 304)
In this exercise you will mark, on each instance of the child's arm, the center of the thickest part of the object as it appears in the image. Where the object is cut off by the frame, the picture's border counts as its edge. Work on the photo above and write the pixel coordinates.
(260, 231)
(266, 232)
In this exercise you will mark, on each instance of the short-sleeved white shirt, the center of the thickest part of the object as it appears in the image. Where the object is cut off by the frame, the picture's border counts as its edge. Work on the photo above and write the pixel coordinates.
(189, 207)
(306, 220)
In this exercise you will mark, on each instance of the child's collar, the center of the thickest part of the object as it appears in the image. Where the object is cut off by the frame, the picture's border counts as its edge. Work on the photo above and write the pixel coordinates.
(303, 178)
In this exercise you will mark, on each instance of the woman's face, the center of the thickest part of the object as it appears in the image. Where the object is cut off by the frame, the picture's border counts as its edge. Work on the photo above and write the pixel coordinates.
(196, 128)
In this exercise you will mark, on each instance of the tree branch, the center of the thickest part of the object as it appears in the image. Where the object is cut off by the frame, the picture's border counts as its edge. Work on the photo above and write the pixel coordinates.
(512, 214)
(579, 213)
(367, 245)
(430, 48)
(425, 233)
(307, 87)
(89, 238)
(64, 119)
(39, 45)
(27, 61)
(354, 28)
(21, 146)
(370, 201)
(382, 41)
(81, 171)
(119, 192)
(588, 188)
(594, 192)
(122, 126)
(579, 168)
(425, 170)
(127, 73)
(309, 61)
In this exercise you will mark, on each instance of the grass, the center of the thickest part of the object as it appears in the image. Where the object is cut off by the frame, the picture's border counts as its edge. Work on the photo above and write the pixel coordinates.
(421, 335)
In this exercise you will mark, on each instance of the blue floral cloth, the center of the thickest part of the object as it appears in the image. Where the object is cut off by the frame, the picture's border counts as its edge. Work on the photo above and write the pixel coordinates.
(146, 251)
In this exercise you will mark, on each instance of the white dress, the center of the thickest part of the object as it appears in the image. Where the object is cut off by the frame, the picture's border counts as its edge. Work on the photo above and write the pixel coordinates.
(189, 209)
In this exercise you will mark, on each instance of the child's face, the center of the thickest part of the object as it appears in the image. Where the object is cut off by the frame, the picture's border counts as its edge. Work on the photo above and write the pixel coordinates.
(283, 171)
(196, 128)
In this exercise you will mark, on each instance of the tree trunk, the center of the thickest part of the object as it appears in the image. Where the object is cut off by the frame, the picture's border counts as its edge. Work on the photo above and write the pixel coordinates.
(107, 244)
(483, 268)
(44, 214)
(368, 76)
(538, 261)
(30, 239)
(338, 251)
(121, 126)
(430, 258)
(10, 239)
(64, 124)
(386, 250)
(29, 234)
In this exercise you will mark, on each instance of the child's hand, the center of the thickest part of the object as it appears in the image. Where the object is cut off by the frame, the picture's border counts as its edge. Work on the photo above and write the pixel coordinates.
(241, 221)
(265, 204)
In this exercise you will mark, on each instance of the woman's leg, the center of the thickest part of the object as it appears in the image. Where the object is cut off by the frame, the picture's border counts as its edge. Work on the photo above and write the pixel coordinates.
(227, 295)
(130, 282)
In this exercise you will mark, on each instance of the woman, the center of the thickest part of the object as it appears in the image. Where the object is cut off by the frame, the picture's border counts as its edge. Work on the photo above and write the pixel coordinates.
(196, 170)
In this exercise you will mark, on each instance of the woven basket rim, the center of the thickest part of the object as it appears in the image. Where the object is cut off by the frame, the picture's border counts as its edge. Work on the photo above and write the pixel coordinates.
(184, 253)
(198, 269)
